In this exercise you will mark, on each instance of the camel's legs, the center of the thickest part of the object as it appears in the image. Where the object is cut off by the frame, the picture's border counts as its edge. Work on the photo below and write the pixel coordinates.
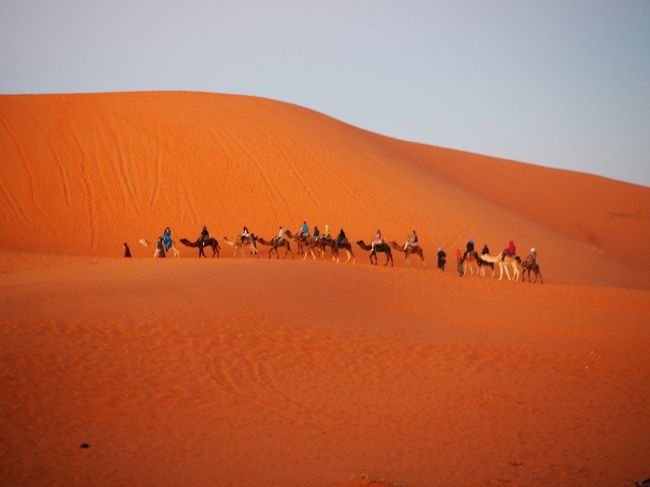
(507, 273)
(174, 251)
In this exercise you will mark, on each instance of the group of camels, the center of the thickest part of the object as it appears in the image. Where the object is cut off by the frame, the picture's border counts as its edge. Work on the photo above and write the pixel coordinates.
(505, 262)
(307, 246)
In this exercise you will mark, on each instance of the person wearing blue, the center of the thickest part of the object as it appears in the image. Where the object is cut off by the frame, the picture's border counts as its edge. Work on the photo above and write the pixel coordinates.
(167, 239)
(469, 248)
(304, 231)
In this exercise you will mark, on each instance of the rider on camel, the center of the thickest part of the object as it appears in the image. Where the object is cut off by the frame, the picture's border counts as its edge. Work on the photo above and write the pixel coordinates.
(341, 239)
(280, 236)
(511, 250)
(326, 232)
(412, 241)
(304, 231)
(205, 236)
(469, 248)
(377, 239)
(486, 250)
(244, 236)
(531, 260)
(167, 239)
(316, 232)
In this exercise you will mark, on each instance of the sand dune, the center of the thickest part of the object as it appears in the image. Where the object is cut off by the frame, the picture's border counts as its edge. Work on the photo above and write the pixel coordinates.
(254, 372)
(87, 172)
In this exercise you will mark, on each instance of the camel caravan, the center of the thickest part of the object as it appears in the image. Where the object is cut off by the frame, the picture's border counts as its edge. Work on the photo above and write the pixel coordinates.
(507, 260)
(317, 244)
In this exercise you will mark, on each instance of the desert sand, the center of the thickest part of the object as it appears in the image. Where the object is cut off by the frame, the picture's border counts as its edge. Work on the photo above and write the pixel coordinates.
(255, 371)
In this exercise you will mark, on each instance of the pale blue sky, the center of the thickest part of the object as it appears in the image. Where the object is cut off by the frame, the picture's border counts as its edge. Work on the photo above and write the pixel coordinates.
(558, 83)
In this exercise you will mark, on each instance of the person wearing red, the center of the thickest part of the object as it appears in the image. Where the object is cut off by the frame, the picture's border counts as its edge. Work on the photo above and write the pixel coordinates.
(511, 250)
(459, 262)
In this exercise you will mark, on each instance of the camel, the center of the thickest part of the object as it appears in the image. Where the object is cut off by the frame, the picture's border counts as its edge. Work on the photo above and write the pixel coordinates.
(482, 264)
(305, 245)
(239, 246)
(382, 247)
(505, 262)
(145, 243)
(274, 244)
(528, 266)
(335, 246)
(212, 243)
(300, 241)
(410, 250)
(468, 262)
(309, 244)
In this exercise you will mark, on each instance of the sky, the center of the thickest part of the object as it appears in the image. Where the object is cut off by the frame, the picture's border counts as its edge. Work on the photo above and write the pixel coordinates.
(560, 83)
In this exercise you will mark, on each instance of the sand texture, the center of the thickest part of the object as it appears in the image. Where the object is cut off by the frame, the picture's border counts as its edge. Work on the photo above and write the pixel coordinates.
(249, 371)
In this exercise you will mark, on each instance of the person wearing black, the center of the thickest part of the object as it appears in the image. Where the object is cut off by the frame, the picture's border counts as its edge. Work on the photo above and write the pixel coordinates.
(205, 235)
(485, 250)
(341, 239)
(442, 259)
(127, 251)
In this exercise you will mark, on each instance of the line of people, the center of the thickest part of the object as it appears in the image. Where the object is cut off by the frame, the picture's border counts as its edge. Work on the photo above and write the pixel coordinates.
(164, 243)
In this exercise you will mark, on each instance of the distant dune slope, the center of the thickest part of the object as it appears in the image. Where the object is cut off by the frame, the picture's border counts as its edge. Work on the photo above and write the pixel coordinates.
(80, 174)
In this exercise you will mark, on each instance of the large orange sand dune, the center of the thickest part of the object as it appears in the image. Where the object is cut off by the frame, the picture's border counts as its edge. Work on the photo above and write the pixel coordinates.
(87, 172)
(255, 372)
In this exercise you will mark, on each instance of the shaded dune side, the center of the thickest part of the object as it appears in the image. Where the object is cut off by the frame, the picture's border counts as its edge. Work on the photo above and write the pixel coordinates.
(608, 216)
(82, 173)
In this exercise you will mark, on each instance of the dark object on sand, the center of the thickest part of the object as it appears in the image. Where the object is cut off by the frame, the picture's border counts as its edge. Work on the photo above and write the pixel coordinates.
(643, 483)
(127, 251)
(85, 445)
(160, 248)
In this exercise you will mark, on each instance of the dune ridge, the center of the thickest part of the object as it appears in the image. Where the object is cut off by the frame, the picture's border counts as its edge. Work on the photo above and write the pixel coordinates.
(87, 172)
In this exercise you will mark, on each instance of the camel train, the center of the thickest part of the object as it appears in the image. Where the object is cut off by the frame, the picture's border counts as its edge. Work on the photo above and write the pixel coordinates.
(505, 262)
(306, 245)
